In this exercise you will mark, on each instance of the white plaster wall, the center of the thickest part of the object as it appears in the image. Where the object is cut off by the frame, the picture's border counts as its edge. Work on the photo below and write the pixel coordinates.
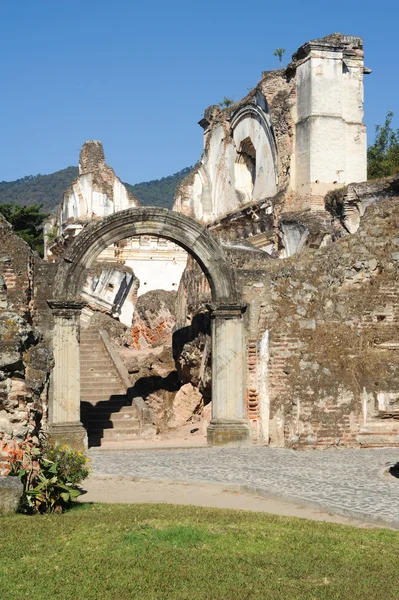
(213, 192)
(326, 84)
(330, 141)
(156, 274)
(83, 202)
(356, 150)
(265, 177)
(327, 150)
(121, 199)
(353, 93)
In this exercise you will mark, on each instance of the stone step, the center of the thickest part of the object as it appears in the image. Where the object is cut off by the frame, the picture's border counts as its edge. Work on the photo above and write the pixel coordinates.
(119, 400)
(121, 426)
(95, 388)
(97, 397)
(105, 372)
(106, 415)
(89, 332)
(95, 418)
(143, 433)
(99, 379)
(116, 434)
(95, 377)
(107, 385)
(96, 362)
(92, 354)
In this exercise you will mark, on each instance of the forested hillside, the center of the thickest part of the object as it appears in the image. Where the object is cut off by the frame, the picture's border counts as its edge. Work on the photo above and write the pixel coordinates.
(158, 192)
(38, 189)
(47, 190)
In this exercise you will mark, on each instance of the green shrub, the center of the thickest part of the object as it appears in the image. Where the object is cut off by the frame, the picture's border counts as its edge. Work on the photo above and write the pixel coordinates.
(383, 155)
(50, 476)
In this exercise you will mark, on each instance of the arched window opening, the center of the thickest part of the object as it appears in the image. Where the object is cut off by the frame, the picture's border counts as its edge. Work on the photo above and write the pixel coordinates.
(245, 171)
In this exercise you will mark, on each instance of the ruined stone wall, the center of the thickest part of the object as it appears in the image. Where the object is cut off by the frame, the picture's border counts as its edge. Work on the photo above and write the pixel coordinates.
(322, 344)
(25, 358)
(297, 135)
(332, 318)
(95, 193)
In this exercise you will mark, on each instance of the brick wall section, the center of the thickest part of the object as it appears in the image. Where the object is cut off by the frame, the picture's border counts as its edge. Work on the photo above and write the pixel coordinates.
(330, 309)
(252, 391)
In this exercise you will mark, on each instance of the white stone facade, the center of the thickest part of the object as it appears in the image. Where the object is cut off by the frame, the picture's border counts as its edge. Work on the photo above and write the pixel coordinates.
(296, 136)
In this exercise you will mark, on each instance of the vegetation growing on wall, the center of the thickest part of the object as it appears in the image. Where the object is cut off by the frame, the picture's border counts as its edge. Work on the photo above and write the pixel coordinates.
(383, 155)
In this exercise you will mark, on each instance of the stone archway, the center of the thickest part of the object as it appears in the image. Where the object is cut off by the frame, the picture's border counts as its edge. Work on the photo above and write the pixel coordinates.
(228, 425)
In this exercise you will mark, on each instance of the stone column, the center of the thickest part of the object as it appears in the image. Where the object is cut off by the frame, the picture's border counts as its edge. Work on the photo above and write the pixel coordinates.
(64, 411)
(228, 426)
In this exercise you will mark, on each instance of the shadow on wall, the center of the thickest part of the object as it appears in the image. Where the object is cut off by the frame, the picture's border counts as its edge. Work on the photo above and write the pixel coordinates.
(201, 324)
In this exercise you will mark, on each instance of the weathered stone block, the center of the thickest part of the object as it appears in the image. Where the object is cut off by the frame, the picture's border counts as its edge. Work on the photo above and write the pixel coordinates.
(11, 489)
(231, 434)
(72, 435)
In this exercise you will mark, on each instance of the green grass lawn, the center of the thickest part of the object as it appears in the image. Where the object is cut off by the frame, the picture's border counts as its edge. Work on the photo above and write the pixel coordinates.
(120, 552)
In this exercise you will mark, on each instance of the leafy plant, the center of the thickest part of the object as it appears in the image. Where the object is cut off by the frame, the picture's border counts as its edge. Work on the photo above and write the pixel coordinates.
(27, 222)
(279, 52)
(52, 235)
(226, 102)
(383, 155)
(50, 475)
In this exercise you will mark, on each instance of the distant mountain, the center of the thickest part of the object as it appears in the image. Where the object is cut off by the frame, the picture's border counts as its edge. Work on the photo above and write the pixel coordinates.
(158, 192)
(38, 189)
(48, 189)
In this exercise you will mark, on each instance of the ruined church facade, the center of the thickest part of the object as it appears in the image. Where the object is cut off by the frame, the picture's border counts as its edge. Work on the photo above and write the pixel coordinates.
(308, 332)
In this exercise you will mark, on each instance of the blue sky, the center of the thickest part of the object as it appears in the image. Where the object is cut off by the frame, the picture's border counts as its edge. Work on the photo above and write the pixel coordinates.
(138, 75)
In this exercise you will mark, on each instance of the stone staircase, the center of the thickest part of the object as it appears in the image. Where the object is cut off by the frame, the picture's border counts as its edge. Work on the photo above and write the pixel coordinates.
(107, 413)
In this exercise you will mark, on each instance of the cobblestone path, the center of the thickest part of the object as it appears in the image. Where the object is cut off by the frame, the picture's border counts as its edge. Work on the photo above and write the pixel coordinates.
(346, 482)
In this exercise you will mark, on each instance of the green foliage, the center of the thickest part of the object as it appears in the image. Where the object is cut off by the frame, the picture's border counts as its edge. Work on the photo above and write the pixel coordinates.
(50, 476)
(279, 52)
(226, 102)
(158, 192)
(52, 235)
(46, 190)
(27, 222)
(383, 155)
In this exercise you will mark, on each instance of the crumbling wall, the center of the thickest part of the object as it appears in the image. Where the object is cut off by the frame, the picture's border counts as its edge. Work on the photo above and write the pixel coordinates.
(322, 358)
(332, 319)
(25, 357)
(96, 193)
(154, 319)
(297, 135)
